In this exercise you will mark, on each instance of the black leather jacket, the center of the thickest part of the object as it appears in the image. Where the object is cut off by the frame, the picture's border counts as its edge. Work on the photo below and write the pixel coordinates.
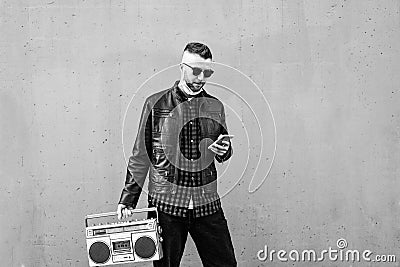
(156, 147)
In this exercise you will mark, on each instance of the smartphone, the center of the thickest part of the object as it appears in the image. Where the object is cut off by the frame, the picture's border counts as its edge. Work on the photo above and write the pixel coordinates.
(221, 138)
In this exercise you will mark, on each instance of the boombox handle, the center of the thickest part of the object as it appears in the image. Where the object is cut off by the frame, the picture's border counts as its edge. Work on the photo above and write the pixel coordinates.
(114, 213)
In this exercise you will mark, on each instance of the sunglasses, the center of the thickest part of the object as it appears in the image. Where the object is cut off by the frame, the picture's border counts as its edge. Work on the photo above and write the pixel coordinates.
(196, 71)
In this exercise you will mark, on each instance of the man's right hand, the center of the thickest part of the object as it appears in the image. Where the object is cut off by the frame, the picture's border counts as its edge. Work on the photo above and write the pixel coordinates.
(124, 211)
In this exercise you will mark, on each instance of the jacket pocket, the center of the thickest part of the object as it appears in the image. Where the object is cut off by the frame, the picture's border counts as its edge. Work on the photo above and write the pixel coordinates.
(161, 181)
(210, 181)
(161, 189)
(164, 121)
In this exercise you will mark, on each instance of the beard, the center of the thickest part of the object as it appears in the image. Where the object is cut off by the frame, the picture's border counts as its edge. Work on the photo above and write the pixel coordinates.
(195, 87)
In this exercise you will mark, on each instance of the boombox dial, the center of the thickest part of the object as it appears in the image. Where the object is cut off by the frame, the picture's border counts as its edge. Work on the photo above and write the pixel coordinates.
(123, 242)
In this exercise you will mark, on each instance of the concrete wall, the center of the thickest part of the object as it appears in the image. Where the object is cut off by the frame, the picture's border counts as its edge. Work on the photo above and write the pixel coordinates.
(329, 69)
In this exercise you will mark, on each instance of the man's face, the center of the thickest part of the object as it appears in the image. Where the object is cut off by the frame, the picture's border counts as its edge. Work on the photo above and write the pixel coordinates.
(195, 83)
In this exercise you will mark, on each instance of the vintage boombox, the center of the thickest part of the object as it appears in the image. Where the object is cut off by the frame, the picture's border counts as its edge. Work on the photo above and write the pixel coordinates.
(124, 241)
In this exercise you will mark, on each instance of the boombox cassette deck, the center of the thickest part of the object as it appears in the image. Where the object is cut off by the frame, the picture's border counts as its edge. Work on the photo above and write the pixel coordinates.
(123, 242)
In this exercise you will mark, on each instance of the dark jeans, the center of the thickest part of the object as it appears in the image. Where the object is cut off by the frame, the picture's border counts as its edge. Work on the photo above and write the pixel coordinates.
(209, 233)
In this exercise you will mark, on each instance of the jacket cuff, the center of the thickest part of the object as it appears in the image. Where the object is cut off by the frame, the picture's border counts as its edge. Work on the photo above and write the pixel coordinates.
(225, 156)
(129, 199)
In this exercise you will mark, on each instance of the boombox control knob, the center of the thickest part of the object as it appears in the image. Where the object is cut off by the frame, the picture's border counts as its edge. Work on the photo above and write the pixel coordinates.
(159, 229)
(161, 239)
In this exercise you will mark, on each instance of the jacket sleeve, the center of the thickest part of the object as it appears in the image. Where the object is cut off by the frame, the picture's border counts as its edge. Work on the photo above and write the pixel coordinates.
(224, 130)
(139, 161)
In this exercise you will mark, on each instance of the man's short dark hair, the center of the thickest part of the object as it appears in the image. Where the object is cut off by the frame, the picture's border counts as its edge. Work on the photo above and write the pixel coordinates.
(199, 49)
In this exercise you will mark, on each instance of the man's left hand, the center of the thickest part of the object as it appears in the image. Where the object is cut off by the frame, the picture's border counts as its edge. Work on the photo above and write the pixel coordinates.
(220, 149)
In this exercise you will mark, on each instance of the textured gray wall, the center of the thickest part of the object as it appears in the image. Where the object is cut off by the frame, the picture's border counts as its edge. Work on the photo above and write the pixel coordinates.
(329, 69)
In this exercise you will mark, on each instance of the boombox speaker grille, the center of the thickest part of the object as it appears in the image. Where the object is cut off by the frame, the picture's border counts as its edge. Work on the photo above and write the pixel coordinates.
(99, 252)
(145, 247)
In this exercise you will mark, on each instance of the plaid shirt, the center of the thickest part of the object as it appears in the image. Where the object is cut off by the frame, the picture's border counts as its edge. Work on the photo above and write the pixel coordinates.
(177, 204)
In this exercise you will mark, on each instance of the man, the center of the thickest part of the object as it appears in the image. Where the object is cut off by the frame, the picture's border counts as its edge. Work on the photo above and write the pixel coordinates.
(175, 142)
